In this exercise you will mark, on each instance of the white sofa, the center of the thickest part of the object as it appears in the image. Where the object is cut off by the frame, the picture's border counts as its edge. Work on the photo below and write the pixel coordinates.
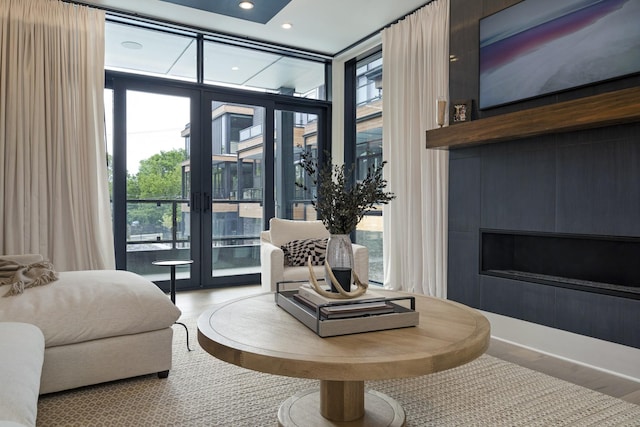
(282, 231)
(98, 326)
(21, 357)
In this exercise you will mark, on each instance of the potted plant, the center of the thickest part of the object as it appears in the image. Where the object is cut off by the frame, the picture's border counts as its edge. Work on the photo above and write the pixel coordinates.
(341, 204)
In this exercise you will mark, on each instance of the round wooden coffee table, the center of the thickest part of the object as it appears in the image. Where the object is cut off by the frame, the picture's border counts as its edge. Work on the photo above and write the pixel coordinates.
(255, 333)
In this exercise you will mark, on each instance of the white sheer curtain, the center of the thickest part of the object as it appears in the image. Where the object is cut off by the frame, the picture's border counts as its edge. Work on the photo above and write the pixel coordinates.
(415, 57)
(53, 173)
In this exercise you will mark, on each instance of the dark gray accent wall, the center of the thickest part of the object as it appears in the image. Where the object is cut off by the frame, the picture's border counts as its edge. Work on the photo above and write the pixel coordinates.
(585, 182)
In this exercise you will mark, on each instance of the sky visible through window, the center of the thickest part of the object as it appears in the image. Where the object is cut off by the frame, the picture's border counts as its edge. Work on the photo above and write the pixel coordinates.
(154, 124)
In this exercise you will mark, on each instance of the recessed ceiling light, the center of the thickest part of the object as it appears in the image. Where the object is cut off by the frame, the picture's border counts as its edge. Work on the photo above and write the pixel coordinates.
(246, 5)
(287, 25)
(235, 68)
(131, 45)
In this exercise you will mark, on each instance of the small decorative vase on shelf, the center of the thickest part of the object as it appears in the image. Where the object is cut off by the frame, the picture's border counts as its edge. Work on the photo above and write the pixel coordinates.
(339, 256)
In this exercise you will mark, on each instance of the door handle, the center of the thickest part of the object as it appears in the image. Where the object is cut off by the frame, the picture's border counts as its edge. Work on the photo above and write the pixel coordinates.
(195, 202)
(207, 202)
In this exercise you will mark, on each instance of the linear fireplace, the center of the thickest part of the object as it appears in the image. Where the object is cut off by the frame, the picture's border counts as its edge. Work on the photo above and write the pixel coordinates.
(600, 264)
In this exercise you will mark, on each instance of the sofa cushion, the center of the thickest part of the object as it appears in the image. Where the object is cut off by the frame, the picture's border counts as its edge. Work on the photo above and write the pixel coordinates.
(21, 358)
(89, 305)
(297, 252)
(282, 231)
(4, 423)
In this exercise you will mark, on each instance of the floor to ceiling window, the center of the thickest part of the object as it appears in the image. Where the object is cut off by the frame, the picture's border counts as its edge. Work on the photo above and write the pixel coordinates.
(157, 180)
(201, 160)
(366, 147)
(295, 132)
(236, 194)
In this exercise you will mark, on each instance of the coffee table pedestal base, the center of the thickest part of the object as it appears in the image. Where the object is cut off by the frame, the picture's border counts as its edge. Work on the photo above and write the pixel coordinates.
(307, 407)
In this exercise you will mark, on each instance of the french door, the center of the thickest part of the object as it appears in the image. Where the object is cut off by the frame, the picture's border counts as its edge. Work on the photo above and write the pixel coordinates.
(197, 173)
(150, 147)
(249, 165)
(230, 185)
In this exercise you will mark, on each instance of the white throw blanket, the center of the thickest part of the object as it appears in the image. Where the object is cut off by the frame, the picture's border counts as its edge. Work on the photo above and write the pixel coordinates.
(23, 276)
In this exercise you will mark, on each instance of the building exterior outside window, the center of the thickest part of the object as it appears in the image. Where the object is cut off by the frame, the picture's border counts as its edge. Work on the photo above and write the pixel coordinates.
(368, 152)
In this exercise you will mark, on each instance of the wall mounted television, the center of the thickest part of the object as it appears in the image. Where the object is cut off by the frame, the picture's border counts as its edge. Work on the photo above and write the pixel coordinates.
(539, 47)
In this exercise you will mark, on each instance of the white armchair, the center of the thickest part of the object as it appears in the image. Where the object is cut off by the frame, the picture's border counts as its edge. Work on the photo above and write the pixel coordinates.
(283, 231)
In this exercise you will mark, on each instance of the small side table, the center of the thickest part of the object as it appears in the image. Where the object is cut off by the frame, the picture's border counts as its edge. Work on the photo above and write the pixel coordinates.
(172, 285)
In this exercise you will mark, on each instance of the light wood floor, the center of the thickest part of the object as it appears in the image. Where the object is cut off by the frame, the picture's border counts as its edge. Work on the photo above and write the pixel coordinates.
(192, 303)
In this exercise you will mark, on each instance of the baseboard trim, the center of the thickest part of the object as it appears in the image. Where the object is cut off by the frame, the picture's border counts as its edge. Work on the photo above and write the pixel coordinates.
(612, 358)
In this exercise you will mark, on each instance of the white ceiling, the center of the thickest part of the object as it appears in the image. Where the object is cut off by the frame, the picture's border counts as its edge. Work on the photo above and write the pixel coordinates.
(322, 26)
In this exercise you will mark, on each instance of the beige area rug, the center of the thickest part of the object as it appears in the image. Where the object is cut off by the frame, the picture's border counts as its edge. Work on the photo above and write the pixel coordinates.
(203, 391)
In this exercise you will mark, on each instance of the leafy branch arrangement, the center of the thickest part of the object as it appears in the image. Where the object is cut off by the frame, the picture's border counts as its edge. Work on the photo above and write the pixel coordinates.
(339, 205)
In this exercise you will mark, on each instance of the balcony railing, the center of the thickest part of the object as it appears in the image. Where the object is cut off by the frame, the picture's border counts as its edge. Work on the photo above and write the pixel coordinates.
(250, 132)
(156, 229)
(160, 229)
(168, 237)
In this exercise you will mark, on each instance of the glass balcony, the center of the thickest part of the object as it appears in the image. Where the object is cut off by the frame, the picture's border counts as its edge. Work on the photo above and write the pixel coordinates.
(156, 230)
(160, 231)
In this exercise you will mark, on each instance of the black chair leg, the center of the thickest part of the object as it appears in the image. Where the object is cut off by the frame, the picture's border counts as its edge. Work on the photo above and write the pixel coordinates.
(187, 331)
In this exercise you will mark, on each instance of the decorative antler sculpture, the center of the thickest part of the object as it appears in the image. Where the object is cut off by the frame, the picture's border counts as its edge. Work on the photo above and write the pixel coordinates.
(361, 288)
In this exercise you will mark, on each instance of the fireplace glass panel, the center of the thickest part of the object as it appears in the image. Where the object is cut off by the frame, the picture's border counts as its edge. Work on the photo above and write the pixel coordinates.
(602, 264)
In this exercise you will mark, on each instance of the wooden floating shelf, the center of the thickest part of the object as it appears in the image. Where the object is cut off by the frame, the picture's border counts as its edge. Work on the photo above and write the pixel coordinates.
(606, 109)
